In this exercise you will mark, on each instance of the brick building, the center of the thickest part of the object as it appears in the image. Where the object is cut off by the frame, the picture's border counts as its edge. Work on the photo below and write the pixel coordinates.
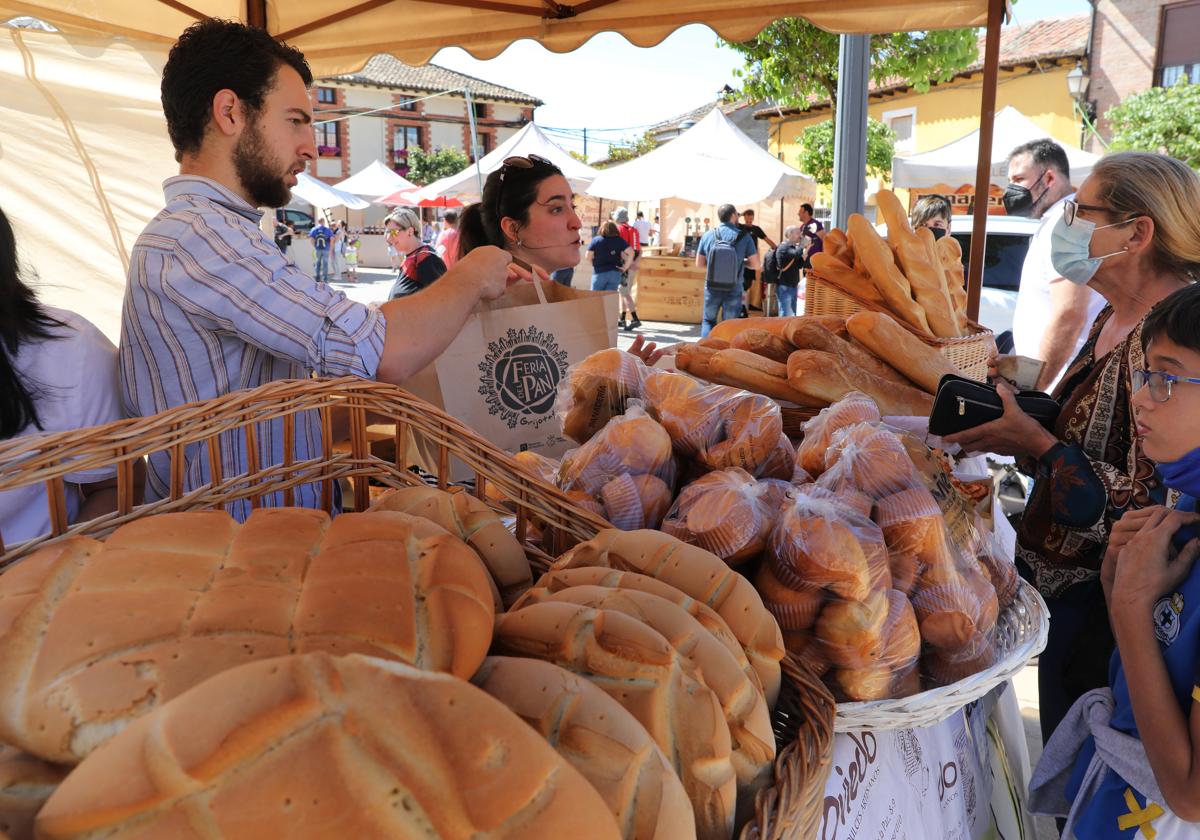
(1137, 44)
(393, 107)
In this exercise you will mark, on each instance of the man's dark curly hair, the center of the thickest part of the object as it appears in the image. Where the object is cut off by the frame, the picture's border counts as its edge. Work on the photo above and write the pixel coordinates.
(213, 55)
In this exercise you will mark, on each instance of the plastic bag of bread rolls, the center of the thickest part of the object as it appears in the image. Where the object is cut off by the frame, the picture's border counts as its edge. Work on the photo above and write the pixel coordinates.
(626, 470)
(855, 407)
(596, 390)
(726, 512)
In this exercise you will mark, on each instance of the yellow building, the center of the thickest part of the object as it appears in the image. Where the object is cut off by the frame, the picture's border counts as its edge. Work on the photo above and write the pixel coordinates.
(1034, 62)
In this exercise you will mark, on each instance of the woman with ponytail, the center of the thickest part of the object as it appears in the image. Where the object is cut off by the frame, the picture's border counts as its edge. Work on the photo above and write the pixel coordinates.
(57, 373)
(528, 209)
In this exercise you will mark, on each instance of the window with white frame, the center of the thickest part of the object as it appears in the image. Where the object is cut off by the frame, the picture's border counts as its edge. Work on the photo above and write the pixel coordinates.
(903, 121)
(1179, 43)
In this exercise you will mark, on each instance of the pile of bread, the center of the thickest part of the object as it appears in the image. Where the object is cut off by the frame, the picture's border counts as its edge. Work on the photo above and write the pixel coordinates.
(358, 677)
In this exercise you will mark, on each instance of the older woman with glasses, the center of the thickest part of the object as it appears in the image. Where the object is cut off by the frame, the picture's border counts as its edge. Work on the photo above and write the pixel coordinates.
(1132, 234)
(528, 209)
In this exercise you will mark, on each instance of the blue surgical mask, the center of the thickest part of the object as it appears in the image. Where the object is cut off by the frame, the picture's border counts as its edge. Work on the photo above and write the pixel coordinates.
(1071, 249)
(1183, 475)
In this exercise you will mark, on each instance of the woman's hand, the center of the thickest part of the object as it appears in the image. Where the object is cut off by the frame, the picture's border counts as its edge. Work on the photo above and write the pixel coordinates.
(1145, 569)
(1016, 433)
(647, 352)
(518, 273)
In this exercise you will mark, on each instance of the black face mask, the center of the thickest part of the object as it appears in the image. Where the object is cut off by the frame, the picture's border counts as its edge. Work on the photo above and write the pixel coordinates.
(1019, 200)
(938, 233)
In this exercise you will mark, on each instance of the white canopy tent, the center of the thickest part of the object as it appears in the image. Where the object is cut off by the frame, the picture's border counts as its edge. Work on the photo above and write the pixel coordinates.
(374, 180)
(529, 140)
(712, 162)
(955, 162)
(322, 196)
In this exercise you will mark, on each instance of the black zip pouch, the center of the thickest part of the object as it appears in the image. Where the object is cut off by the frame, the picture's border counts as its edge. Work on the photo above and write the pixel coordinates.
(962, 404)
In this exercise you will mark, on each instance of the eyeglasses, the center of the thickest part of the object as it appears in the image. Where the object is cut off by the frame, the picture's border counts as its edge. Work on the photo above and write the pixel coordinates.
(1071, 208)
(1160, 383)
(520, 162)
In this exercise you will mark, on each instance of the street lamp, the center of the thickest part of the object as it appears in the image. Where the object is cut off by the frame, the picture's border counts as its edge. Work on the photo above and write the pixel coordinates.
(1077, 82)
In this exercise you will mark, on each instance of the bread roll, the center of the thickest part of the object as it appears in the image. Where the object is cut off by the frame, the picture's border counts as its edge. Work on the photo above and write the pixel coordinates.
(26, 782)
(635, 501)
(944, 667)
(804, 647)
(721, 512)
(925, 276)
(870, 460)
(751, 427)
(1002, 573)
(912, 523)
(556, 581)
(702, 576)
(169, 600)
(631, 444)
(745, 708)
(529, 462)
(474, 523)
(714, 343)
(781, 463)
(597, 389)
(328, 746)
(901, 635)
(688, 410)
(889, 281)
(873, 682)
(638, 668)
(812, 547)
(818, 432)
(851, 632)
(758, 374)
(812, 336)
(794, 609)
(598, 738)
(763, 343)
(914, 358)
(949, 614)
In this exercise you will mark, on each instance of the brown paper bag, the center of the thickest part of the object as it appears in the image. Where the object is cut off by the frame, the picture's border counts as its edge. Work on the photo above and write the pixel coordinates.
(500, 376)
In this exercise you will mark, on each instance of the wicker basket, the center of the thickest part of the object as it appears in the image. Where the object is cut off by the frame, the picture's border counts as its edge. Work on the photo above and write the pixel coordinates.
(1020, 635)
(804, 716)
(968, 353)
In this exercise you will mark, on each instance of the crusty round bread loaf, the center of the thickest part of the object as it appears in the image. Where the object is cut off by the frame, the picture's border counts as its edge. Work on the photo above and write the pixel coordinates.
(689, 410)
(855, 408)
(324, 746)
(722, 512)
(26, 782)
(556, 581)
(751, 426)
(752, 740)
(601, 740)
(597, 389)
(170, 600)
(701, 575)
(638, 668)
(474, 523)
(852, 631)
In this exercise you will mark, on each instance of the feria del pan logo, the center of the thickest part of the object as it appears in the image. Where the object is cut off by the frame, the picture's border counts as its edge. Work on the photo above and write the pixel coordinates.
(520, 376)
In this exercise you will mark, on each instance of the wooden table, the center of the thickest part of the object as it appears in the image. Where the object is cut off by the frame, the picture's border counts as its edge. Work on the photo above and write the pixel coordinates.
(670, 289)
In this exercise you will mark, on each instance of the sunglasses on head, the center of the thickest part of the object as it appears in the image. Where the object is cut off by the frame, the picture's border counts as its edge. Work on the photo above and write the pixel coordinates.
(519, 162)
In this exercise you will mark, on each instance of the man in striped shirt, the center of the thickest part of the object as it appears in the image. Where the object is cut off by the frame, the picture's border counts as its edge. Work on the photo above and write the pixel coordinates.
(212, 305)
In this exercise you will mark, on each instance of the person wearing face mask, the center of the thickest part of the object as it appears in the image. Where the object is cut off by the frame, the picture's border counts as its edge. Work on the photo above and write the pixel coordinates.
(1122, 764)
(1053, 315)
(933, 212)
(1132, 234)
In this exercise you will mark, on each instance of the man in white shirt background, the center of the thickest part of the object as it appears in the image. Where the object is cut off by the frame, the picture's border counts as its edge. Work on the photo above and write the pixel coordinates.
(643, 228)
(1053, 315)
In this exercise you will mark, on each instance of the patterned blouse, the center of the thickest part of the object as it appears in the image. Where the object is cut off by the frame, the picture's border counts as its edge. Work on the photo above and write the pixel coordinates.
(1096, 472)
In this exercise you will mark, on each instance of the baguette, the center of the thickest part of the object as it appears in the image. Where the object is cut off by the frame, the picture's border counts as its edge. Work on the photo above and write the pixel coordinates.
(949, 253)
(815, 337)
(815, 374)
(925, 276)
(892, 397)
(848, 279)
(763, 343)
(761, 375)
(888, 279)
(714, 343)
(914, 358)
(956, 293)
(837, 245)
(730, 327)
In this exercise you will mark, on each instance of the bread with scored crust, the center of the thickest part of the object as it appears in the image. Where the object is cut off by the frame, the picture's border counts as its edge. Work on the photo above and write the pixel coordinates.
(26, 782)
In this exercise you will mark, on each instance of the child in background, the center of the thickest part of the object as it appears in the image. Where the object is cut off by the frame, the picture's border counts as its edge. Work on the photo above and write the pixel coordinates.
(1125, 762)
(351, 254)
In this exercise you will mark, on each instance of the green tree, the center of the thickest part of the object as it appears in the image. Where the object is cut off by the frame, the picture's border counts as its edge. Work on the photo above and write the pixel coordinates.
(794, 63)
(620, 154)
(579, 156)
(1165, 120)
(816, 150)
(427, 167)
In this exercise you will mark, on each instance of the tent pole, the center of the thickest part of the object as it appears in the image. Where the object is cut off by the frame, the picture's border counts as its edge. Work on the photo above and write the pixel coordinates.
(474, 141)
(983, 167)
(850, 137)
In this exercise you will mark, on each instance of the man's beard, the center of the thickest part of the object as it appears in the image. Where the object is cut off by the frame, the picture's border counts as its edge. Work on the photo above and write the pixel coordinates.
(259, 174)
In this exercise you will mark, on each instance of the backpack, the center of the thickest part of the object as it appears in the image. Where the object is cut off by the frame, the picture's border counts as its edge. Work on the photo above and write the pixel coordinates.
(722, 273)
(770, 268)
(320, 242)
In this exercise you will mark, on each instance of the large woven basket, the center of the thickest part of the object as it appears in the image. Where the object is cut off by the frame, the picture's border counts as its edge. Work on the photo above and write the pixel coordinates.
(1020, 635)
(968, 353)
(803, 719)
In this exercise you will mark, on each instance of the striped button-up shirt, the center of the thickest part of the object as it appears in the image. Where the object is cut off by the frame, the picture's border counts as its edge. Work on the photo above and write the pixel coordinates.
(212, 306)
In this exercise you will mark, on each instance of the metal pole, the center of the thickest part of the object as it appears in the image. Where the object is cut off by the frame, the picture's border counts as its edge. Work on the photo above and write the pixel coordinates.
(983, 167)
(585, 145)
(850, 138)
(474, 141)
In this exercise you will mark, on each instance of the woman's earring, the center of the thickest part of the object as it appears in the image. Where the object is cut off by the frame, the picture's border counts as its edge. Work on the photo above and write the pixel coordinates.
(520, 244)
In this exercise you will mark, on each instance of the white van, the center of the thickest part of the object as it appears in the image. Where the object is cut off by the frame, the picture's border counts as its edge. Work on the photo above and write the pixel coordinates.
(1003, 256)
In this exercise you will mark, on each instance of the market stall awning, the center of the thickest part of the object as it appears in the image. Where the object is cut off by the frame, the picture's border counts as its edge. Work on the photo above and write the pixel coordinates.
(955, 163)
(322, 196)
(530, 140)
(374, 180)
(712, 162)
(338, 36)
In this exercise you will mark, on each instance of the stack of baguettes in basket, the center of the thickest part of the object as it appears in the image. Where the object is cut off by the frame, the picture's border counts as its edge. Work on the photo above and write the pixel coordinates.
(359, 677)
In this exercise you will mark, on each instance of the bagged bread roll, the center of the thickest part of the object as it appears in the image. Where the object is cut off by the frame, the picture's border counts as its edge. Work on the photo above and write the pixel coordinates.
(633, 443)
(804, 647)
(597, 390)
(794, 609)
(639, 669)
(689, 410)
(872, 682)
(601, 740)
(699, 574)
(26, 782)
(879, 333)
(851, 632)
(722, 512)
(751, 426)
(945, 667)
(329, 746)
(854, 408)
(901, 643)
(99, 634)
(529, 462)
(632, 502)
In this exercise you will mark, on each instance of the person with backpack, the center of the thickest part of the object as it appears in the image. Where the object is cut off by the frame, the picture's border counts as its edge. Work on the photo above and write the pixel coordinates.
(322, 238)
(722, 253)
(782, 267)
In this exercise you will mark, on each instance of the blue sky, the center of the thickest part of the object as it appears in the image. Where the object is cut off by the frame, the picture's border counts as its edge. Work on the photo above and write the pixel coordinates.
(610, 84)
